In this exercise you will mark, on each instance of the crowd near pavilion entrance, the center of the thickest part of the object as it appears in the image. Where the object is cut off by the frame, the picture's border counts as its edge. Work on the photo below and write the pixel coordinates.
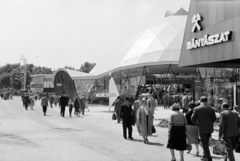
(211, 43)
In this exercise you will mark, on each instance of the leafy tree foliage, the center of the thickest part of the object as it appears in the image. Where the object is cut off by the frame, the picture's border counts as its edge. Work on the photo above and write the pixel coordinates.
(70, 68)
(10, 75)
(87, 67)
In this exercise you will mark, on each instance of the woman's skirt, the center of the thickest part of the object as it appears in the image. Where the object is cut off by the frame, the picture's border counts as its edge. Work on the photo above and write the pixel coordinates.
(192, 134)
(177, 139)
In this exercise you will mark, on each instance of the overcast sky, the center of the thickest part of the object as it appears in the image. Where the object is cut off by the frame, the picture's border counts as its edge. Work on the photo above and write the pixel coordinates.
(55, 33)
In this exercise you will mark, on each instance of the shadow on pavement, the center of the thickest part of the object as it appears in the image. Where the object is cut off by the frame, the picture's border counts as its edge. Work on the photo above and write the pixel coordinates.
(106, 111)
(214, 157)
(136, 140)
(156, 144)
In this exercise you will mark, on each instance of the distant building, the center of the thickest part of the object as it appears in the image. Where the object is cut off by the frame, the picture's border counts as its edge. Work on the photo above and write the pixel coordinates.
(42, 83)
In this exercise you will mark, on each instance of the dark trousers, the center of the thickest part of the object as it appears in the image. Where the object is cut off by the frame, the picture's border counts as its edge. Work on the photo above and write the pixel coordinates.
(231, 144)
(62, 111)
(44, 109)
(83, 110)
(118, 116)
(126, 126)
(51, 103)
(205, 142)
(70, 111)
(26, 105)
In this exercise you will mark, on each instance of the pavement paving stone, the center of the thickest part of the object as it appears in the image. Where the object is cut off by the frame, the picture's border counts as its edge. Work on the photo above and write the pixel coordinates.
(29, 136)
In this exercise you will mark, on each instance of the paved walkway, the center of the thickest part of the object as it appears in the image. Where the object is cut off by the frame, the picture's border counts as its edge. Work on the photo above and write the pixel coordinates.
(30, 136)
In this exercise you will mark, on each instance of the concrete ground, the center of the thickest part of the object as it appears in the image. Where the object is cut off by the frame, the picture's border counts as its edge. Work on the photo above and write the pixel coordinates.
(30, 136)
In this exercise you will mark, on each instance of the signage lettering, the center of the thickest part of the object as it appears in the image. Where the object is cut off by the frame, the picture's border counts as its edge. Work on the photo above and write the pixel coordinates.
(59, 84)
(36, 86)
(208, 40)
(106, 95)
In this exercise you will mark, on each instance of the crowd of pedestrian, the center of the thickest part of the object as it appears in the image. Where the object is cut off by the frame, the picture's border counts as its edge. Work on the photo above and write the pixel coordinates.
(197, 125)
(189, 123)
(51, 99)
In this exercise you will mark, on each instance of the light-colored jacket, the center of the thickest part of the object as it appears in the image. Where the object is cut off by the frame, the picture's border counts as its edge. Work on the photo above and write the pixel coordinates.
(146, 125)
(151, 104)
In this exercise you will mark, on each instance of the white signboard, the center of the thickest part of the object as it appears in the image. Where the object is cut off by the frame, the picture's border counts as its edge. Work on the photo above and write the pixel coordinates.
(59, 84)
(106, 95)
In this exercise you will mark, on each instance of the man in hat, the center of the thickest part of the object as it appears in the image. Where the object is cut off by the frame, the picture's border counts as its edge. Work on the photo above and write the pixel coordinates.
(63, 102)
(117, 108)
(126, 115)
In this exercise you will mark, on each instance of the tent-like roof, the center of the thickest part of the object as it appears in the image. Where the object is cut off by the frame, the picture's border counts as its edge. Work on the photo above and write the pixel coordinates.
(159, 44)
(74, 74)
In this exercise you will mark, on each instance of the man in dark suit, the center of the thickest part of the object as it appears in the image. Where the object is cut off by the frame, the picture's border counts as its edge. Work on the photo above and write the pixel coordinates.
(117, 109)
(26, 101)
(63, 102)
(229, 129)
(126, 115)
(204, 116)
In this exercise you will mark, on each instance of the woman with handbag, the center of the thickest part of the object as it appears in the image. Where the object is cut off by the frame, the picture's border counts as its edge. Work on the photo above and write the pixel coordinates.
(144, 119)
(192, 130)
(177, 132)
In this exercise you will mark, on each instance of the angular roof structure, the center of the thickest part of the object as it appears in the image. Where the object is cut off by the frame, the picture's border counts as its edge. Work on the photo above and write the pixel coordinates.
(159, 44)
(181, 11)
(168, 13)
(74, 74)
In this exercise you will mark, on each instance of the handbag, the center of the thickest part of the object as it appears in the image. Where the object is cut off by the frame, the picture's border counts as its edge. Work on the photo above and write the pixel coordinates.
(153, 129)
(114, 117)
(189, 147)
(220, 148)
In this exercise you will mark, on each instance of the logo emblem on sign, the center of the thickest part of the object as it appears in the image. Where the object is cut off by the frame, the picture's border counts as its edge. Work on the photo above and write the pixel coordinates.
(195, 20)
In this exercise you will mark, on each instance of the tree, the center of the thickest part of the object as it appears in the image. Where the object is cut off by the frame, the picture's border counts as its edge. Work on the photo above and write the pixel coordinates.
(5, 80)
(16, 79)
(68, 67)
(10, 75)
(87, 67)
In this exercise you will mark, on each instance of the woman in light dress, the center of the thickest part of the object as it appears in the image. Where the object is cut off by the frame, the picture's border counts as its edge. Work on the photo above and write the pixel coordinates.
(144, 119)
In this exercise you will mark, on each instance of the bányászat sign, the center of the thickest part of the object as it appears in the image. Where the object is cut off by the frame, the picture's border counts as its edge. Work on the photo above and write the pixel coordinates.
(207, 40)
